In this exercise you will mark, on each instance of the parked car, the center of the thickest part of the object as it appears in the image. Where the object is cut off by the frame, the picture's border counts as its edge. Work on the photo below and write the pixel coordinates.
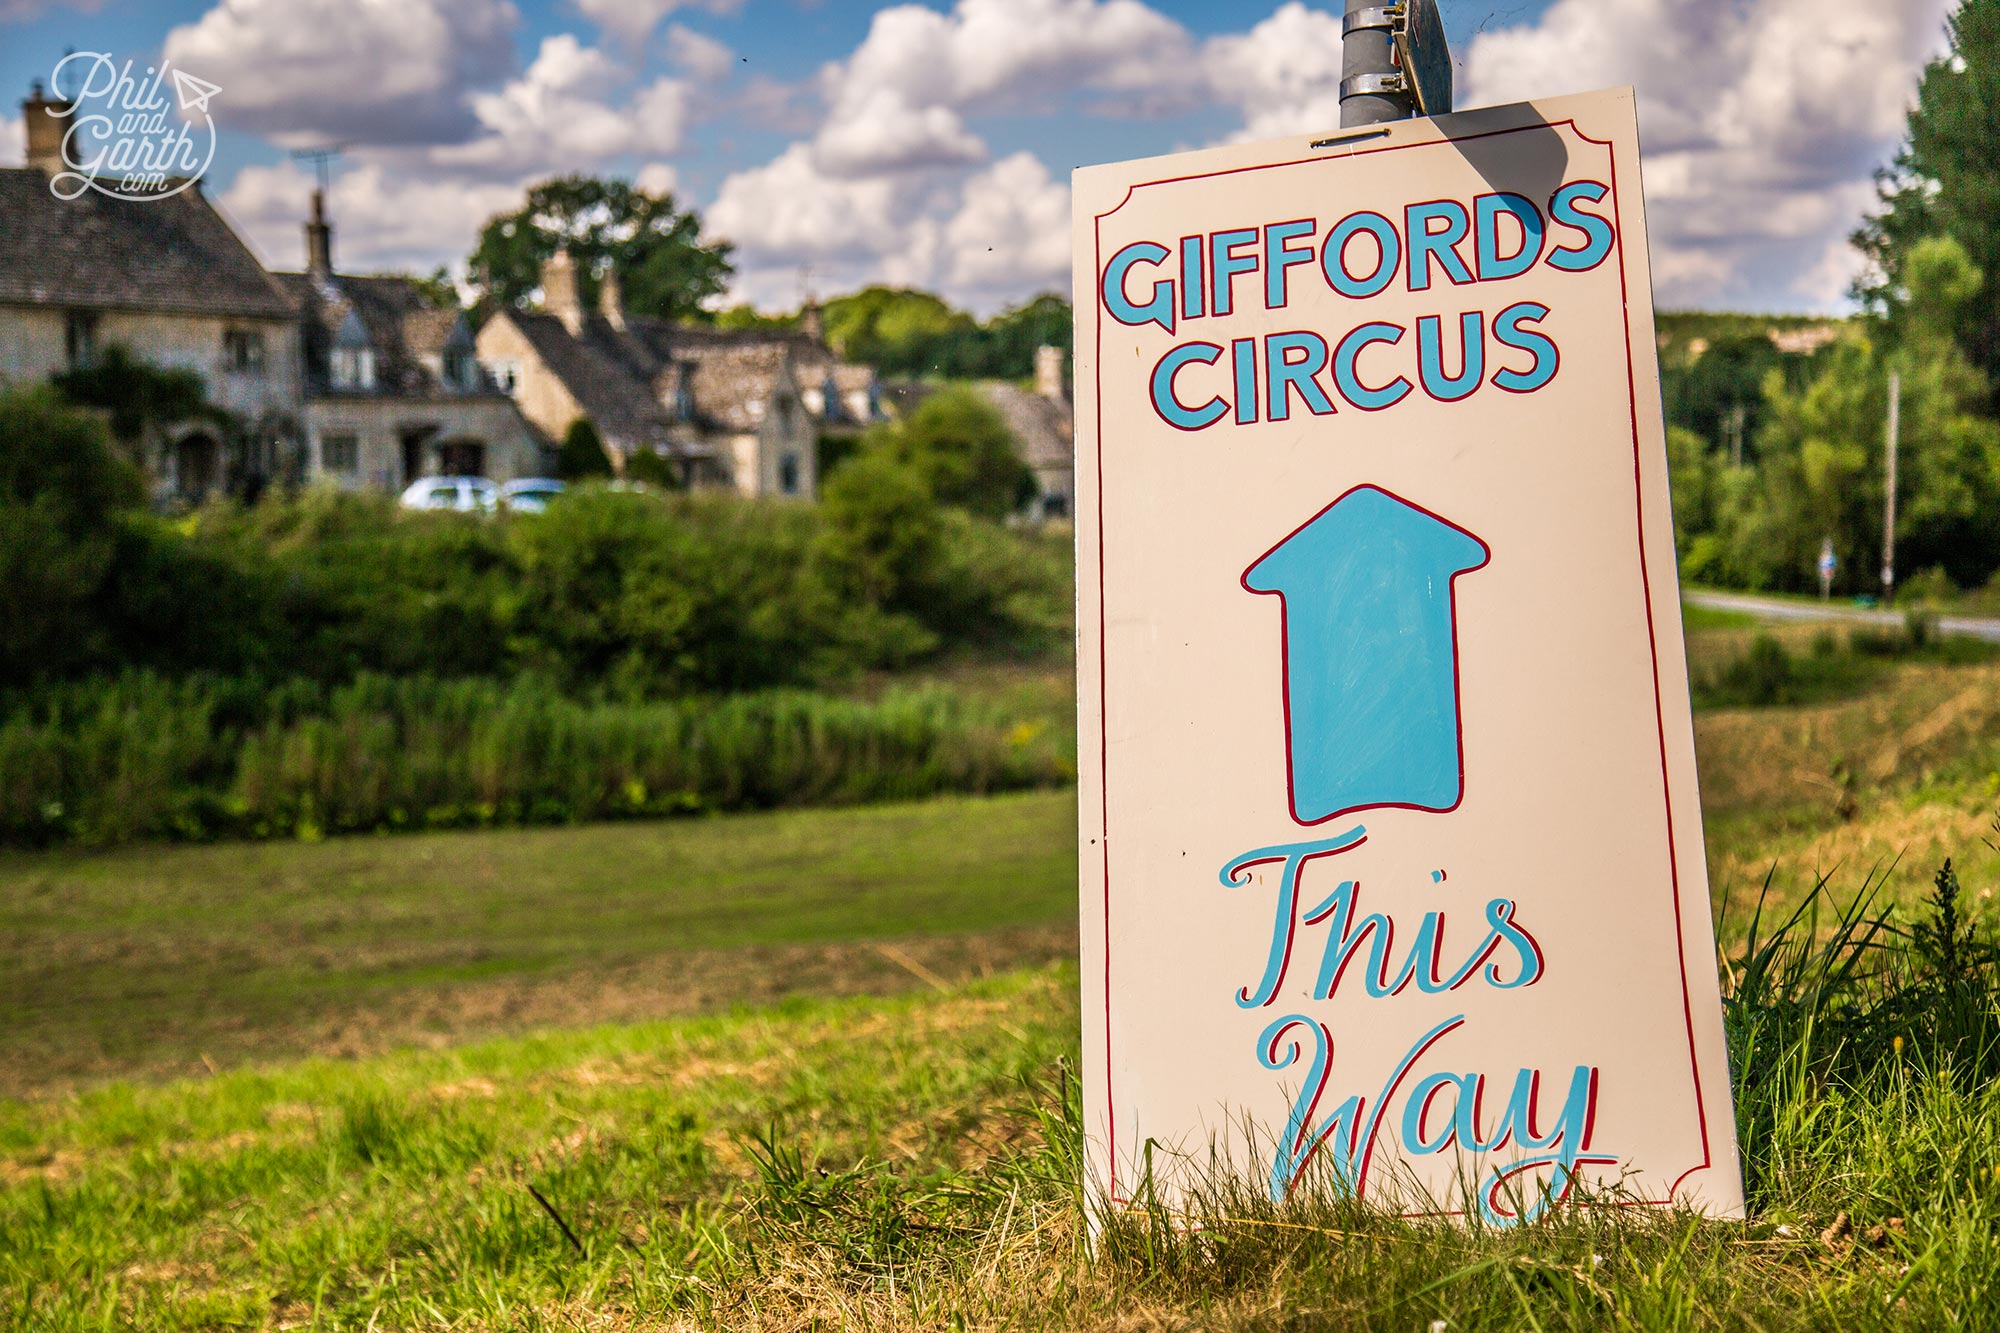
(467, 495)
(530, 495)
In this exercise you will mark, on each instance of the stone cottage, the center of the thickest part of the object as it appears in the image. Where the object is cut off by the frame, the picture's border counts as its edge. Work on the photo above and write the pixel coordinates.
(169, 280)
(731, 409)
(393, 386)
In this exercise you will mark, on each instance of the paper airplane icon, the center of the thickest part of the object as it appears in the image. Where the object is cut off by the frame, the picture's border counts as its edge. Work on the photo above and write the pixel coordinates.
(194, 93)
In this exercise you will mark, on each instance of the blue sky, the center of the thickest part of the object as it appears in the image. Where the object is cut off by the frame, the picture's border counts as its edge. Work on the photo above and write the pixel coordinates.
(839, 142)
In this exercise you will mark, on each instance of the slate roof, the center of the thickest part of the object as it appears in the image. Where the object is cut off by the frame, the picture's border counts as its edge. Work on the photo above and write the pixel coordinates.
(1044, 428)
(404, 329)
(173, 255)
(624, 380)
(610, 375)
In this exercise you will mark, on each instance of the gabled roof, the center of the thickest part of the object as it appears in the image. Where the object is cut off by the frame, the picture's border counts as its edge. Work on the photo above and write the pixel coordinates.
(610, 375)
(1044, 428)
(173, 255)
(626, 380)
(403, 329)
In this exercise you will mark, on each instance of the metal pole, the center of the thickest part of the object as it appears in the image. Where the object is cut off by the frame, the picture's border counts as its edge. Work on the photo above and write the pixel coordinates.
(1889, 514)
(1372, 87)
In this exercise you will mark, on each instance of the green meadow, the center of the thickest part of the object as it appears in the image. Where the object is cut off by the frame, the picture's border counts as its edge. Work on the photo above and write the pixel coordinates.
(814, 1069)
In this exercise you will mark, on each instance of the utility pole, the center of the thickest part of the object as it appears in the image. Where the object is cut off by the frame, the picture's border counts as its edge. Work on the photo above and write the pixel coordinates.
(1373, 89)
(1889, 508)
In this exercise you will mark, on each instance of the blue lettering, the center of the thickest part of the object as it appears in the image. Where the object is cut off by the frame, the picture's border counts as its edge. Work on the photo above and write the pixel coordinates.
(1426, 245)
(1598, 235)
(1388, 255)
(1472, 360)
(1167, 402)
(1489, 209)
(1283, 375)
(1346, 374)
(1224, 264)
(1159, 307)
(1508, 331)
(1280, 258)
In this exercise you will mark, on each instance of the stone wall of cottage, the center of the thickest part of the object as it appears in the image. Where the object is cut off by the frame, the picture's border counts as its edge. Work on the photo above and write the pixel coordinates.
(34, 345)
(358, 442)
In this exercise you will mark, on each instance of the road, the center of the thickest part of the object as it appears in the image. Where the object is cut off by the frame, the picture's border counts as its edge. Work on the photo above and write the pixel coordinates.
(1774, 608)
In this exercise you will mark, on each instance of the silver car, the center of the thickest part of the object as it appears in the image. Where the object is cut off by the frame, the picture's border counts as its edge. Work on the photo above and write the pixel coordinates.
(466, 495)
(530, 495)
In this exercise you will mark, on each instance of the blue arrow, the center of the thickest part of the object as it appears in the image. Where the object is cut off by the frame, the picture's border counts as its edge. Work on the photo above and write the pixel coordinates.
(1371, 654)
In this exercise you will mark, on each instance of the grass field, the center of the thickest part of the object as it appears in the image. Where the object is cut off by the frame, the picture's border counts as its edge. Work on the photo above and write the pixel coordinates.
(806, 1070)
(172, 960)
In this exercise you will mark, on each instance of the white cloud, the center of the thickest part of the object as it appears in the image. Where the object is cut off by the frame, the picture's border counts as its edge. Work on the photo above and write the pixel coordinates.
(554, 117)
(13, 142)
(1011, 233)
(982, 240)
(699, 54)
(633, 21)
(789, 212)
(1283, 75)
(383, 220)
(657, 178)
(877, 131)
(355, 71)
(898, 102)
(1762, 124)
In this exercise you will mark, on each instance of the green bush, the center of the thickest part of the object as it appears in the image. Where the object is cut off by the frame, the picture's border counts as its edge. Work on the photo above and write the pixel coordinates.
(581, 455)
(144, 757)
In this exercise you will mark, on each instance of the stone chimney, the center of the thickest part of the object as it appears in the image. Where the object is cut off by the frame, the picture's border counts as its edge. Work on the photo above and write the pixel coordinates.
(811, 322)
(559, 291)
(45, 130)
(1050, 381)
(611, 299)
(319, 239)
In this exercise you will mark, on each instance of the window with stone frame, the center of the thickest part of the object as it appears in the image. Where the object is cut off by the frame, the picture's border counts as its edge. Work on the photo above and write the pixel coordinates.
(80, 339)
(243, 351)
(340, 453)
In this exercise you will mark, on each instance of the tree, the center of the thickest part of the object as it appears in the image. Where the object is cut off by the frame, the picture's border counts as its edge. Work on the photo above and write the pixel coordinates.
(1014, 335)
(1945, 181)
(64, 493)
(750, 318)
(880, 540)
(664, 268)
(1821, 452)
(1705, 394)
(964, 452)
(582, 455)
(902, 332)
(138, 397)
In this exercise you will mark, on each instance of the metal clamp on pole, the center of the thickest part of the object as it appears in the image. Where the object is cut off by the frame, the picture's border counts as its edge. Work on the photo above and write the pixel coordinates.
(1372, 89)
(1373, 85)
(1360, 20)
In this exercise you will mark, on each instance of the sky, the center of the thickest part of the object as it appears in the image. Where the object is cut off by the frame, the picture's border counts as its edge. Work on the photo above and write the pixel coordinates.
(837, 143)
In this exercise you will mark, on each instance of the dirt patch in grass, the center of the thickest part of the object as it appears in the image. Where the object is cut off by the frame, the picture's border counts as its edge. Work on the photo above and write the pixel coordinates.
(664, 986)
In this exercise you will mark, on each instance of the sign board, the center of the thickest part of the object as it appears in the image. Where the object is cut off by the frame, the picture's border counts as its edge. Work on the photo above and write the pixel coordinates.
(1392, 864)
(1426, 56)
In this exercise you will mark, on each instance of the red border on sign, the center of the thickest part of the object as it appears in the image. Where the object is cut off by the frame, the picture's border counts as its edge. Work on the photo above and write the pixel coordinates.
(1646, 587)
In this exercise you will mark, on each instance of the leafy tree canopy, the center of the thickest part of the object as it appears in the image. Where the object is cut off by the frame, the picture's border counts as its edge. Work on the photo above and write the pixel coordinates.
(1946, 181)
(964, 453)
(903, 332)
(664, 267)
